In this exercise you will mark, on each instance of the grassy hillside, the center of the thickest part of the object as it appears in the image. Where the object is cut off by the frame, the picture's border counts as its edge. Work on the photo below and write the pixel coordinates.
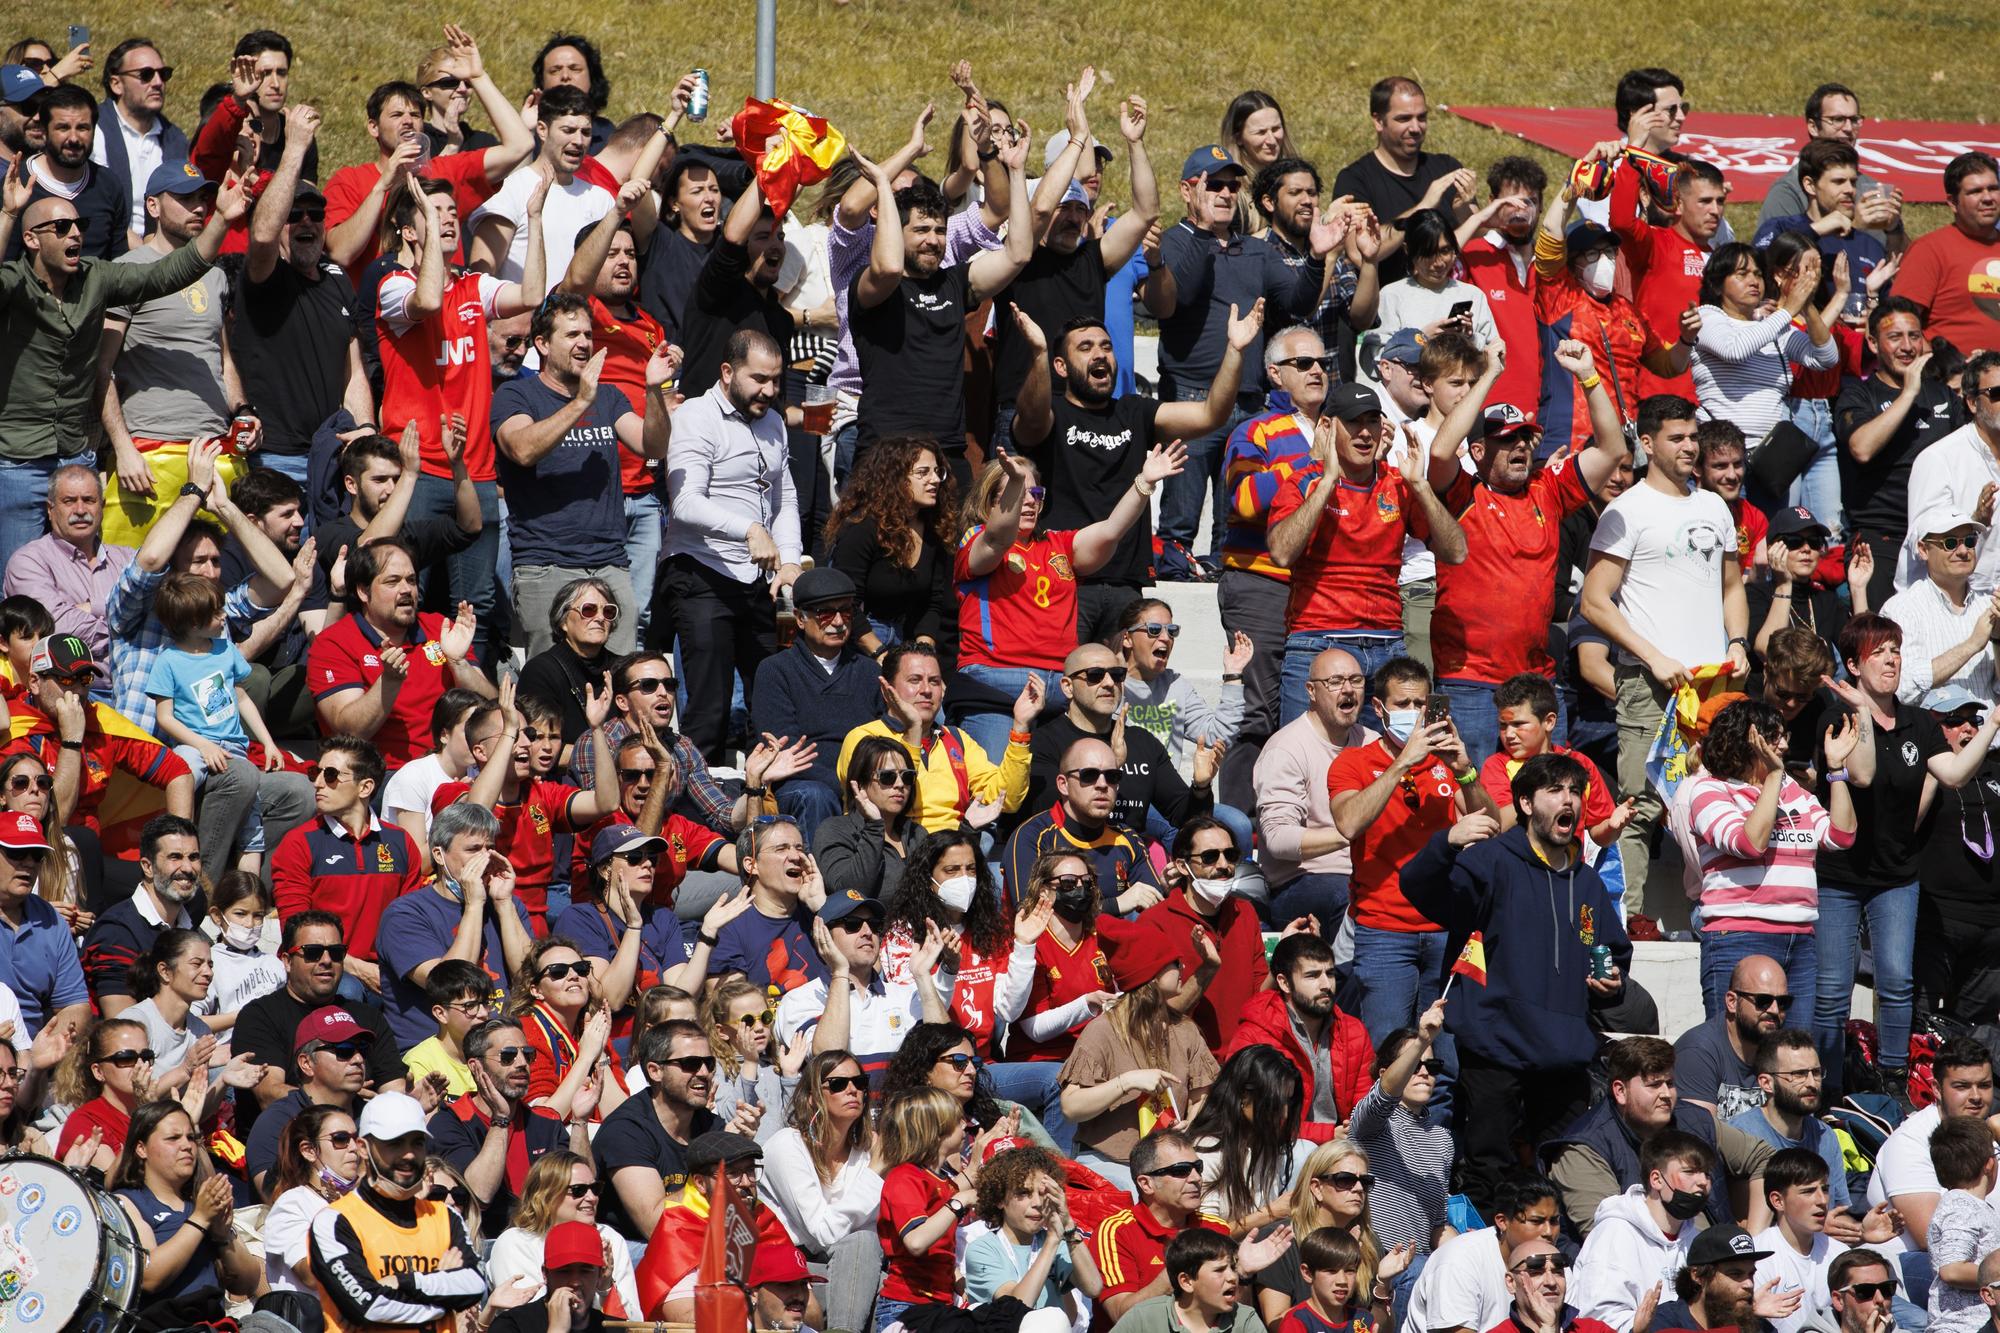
(869, 64)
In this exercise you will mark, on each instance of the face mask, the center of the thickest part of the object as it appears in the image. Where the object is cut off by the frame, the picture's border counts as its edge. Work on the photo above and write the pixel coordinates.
(243, 938)
(1682, 1205)
(1597, 275)
(1209, 894)
(1078, 906)
(1401, 722)
(339, 1184)
(385, 1184)
(451, 885)
(957, 892)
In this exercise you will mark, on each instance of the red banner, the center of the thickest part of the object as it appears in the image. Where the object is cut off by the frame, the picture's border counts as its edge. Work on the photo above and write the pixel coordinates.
(721, 1302)
(1753, 151)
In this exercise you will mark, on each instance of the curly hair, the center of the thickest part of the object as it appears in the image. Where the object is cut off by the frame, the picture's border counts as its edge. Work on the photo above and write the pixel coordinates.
(522, 997)
(916, 901)
(1726, 751)
(1011, 1172)
(879, 489)
(910, 1067)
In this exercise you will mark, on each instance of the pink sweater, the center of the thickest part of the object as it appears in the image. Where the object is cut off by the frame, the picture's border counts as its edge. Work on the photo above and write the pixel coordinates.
(1746, 887)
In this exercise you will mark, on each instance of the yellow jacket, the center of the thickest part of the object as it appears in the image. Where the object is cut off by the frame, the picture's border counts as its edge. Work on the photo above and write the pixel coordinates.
(942, 797)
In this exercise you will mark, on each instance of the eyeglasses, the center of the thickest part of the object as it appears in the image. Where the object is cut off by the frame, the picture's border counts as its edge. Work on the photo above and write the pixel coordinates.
(649, 684)
(1337, 681)
(10, 1074)
(826, 615)
(1763, 999)
(61, 227)
(332, 776)
(1090, 777)
(148, 73)
(298, 215)
(634, 774)
(342, 1138)
(1882, 1291)
(509, 1054)
(1153, 630)
(1347, 1180)
(1096, 675)
(847, 1083)
(1304, 363)
(1954, 543)
(126, 1059)
(446, 83)
(312, 953)
(1037, 493)
(607, 611)
(691, 1064)
(1537, 1264)
(20, 782)
(894, 777)
(588, 1189)
(958, 1060)
(343, 1050)
(557, 971)
(1215, 855)
(1815, 1072)
(471, 1007)
(1842, 120)
(1178, 1170)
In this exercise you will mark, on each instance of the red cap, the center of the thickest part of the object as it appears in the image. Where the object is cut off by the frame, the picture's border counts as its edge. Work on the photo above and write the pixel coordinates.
(21, 832)
(572, 1243)
(780, 1263)
(1140, 957)
(1003, 1143)
(329, 1024)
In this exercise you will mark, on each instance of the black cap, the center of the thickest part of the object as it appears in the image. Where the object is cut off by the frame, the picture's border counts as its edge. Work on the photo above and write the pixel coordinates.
(718, 1146)
(1351, 402)
(1719, 1245)
(821, 584)
(1794, 519)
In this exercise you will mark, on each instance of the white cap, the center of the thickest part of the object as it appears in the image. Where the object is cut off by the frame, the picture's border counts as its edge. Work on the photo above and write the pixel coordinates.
(1058, 141)
(1943, 519)
(392, 1115)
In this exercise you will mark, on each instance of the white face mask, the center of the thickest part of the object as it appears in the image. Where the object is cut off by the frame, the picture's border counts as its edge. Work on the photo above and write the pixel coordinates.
(1400, 722)
(1598, 274)
(244, 938)
(1209, 894)
(957, 892)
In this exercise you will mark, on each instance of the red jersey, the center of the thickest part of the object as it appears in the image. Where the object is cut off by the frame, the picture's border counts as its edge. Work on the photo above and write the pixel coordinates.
(347, 656)
(1237, 933)
(1490, 265)
(1565, 310)
(1493, 611)
(105, 752)
(1666, 272)
(1752, 527)
(1423, 804)
(910, 1194)
(689, 847)
(439, 366)
(1956, 279)
(1497, 776)
(628, 344)
(1062, 976)
(974, 992)
(528, 826)
(1130, 1247)
(348, 187)
(1302, 1318)
(1345, 579)
(1023, 614)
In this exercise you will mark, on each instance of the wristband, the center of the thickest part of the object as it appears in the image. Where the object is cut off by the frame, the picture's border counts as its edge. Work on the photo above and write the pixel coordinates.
(1467, 778)
(73, 745)
(1144, 487)
(1838, 775)
(749, 790)
(1230, 676)
(1736, 639)
(1019, 737)
(708, 939)
(1588, 384)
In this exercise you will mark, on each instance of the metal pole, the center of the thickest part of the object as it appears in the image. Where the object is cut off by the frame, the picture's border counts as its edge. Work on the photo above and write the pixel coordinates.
(767, 49)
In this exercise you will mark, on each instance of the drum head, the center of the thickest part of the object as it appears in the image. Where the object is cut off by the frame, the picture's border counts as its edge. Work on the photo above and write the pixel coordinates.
(52, 1247)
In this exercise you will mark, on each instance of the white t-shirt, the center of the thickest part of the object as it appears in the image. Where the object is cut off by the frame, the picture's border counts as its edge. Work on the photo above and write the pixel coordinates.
(1794, 1271)
(1464, 1285)
(1419, 561)
(568, 209)
(1904, 1164)
(287, 1230)
(518, 1253)
(1673, 549)
(412, 787)
(239, 978)
(10, 1012)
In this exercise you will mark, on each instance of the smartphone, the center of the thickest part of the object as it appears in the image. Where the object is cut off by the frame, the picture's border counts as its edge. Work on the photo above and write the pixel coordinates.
(1437, 709)
(1462, 310)
(79, 35)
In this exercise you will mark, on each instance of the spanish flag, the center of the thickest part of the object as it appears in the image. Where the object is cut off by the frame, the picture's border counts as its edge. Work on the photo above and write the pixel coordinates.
(787, 146)
(1472, 959)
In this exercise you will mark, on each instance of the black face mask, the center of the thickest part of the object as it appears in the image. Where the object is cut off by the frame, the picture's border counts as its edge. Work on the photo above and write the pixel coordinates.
(1080, 905)
(1684, 1205)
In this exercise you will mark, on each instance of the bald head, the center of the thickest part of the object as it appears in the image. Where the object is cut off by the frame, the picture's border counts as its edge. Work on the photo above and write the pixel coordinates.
(1989, 1269)
(45, 210)
(1087, 752)
(1088, 655)
(1758, 975)
(1751, 1004)
(1087, 781)
(1336, 687)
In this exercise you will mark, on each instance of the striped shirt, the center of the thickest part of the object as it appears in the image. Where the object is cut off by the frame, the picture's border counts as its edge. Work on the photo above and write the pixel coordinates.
(1410, 1156)
(1932, 626)
(1746, 887)
(1743, 368)
(1262, 452)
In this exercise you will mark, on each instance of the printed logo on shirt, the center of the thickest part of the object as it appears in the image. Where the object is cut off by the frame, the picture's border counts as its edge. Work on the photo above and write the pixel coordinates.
(385, 860)
(367, 660)
(457, 352)
(1091, 439)
(540, 819)
(196, 298)
(1793, 830)
(434, 653)
(1698, 539)
(1984, 285)
(1693, 262)
(1386, 508)
(1909, 754)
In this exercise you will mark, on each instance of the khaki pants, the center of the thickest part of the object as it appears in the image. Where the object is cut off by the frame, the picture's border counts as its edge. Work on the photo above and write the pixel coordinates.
(1642, 702)
(1419, 600)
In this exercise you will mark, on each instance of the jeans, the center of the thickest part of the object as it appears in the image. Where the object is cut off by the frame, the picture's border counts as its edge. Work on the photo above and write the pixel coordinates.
(1002, 439)
(1477, 716)
(1892, 942)
(1818, 487)
(643, 535)
(1182, 496)
(991, 729)
(1033, 1083)
(535, 591)
(809, 801)
(1117, 1173)
(1315, 893)
(248, 831)
(474, 573)
(1795, 951)
(1398, 974)
(1255, 606)
(1371, 650)
(853, 1272)
(24, 500)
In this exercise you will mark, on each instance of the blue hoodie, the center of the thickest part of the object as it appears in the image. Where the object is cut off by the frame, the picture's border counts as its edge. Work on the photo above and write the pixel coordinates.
(1538, 924)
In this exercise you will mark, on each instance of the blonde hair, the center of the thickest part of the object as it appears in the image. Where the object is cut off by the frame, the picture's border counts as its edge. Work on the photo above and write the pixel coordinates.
(74, 1082)
(986, 492)
(542, 1192)
(1309, 1215)
(715, 1019)
(914, 1123)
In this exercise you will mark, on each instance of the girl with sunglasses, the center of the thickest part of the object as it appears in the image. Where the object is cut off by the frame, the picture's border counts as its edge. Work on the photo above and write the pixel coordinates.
(183, 1212)
(1017, 585)
(891, 534)
(17, 1134)
(1072, 982)
(820, 1181)
(561, 1187)
(107, 1073)
(559, 1000)
(320, 1158)
(1331, 1191)
(68, 883)
(445, 76)
(865, 848)
(739, 1022)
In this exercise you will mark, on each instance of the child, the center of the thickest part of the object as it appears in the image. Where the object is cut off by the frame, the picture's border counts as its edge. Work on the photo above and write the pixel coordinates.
(1330, 1261)
(1027, 1246)
(198, 699)
(738, 1020)
(1795, 1183)
(244, 969)
(1964, 1229)
(1527, 709)
(461, 998)
(924, 1196)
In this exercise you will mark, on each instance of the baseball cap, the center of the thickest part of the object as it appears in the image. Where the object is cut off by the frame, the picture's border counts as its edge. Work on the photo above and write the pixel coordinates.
(21, 832)
(328, 1024)
(1405, 347)
(177, 178)
(821, 584)
(773, 1263)
(574, 1243)
(1795, 519)
(1504, 419)
(62, 655)
(1140, 957)
(1942, 519)
(840, 906)
(1058, 141)
(1588, 235)
(1721, 1244)
(1944, 701)
(1209, 159)
(621, 838)
(392, 1115)
(18, 83)
(712, 1149)
(1075, 194)
(308, 193)
(1351, 402)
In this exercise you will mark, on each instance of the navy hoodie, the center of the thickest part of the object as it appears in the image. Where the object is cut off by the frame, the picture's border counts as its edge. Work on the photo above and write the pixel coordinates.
(1538, 924)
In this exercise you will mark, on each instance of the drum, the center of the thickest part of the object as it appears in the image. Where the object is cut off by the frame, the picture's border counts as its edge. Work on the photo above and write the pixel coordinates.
(69, 1257)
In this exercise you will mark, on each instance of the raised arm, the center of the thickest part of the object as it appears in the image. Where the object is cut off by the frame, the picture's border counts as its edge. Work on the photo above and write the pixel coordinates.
(519, 298)
(517, 141)
(1608, 448)
(999, 535)
(992, 270)
(1125, 235)
(273, 212)
(1289, 535)
(1185, 419)
(872, 186)
(878, 282)
(1095, 544)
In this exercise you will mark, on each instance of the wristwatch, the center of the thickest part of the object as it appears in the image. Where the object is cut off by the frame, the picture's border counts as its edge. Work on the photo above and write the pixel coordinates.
(189, 488)
(959, 1208)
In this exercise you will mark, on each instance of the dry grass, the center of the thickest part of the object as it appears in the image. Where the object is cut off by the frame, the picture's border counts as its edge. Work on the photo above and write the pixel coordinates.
(869, 64)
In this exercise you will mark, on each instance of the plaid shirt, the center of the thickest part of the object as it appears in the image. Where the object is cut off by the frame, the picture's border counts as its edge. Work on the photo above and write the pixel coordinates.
(138, 638)
(692, 790)
(1339, 295)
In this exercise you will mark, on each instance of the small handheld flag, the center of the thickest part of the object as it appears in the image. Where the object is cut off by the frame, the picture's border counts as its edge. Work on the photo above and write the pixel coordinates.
(788, 147)
(1472, 959)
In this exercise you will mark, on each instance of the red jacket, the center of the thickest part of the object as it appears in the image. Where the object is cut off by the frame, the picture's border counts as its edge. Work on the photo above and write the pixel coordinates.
(1264, 1022)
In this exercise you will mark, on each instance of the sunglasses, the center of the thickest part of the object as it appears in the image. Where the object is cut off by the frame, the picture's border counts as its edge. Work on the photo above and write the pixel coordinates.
(1214, 856)
(1875, 1291)
(1178, 1170)
(595, 610)
(148, 73)
(1071, 883)
(126, 1059)
(1537, 1264)
(312, 953)
(958, 1060)
(446, 82)
(1991, 393)
(1096, 675)
(1227, 185)
(1764, 1000)
(343, 1050)
(61, 227)
(1433, 1066)
(342, 1138)
(1347, 1180)
(894, 777)
(1305, 363)
(36, 63)
(1153, 631)
(1954, 543)
(588, 1189)
(332, 776)
(649, 684)
(23, 781)
(762, 1020)
(298, 215)
(640, 856)
(691, 1064)
(509, 1054)
(1802, 541)
(847, 1083)
(826, 615)
(459, 1195)
(558, 971)
(635, 774)
(1090, 777)
(514, 340)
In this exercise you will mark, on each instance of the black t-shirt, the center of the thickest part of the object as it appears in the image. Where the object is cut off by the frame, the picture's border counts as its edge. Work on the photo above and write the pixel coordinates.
(1053, 289)
(269, 1024)
(723, 302)
(1958, 882)
(458, 1134)
(1088, 460)
(917, 599)
(1391, 195)
(534, 1318)
(559, 675)
(911, 349)
(666, 285)
(1151, 780)
(367, 292)
(1876, 494)
(632, 1135)
(1805, 732)
(1887, 843)
(289, 335)
(1820, 610)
